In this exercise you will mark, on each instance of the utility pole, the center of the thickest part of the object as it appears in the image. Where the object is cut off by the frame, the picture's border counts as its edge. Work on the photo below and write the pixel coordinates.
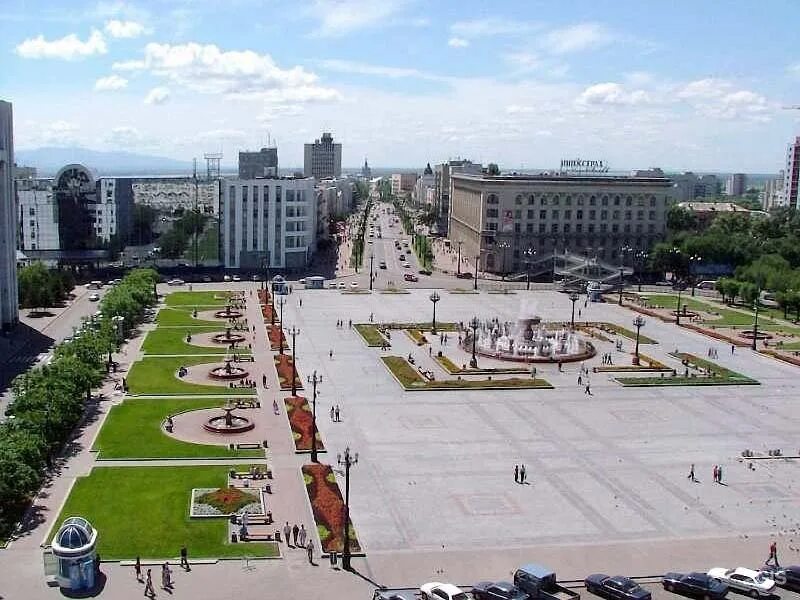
(294, 333)
(475, 281)
(459, 256)
(347, 461)
(314, 380)
(371, 260)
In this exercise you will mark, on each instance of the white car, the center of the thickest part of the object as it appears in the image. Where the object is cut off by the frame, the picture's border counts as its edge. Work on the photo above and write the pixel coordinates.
(237, 278)
(441, 591)
(331, 285)
(94, 297)
(754, 583)
(342, 285)
(176, 281)
(226, 278)
(354, 285)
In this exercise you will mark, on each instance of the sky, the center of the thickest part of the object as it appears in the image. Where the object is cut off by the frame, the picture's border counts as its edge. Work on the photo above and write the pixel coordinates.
(683, 85)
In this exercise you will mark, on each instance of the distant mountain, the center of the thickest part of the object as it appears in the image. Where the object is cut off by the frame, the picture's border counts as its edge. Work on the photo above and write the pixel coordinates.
(49, 160)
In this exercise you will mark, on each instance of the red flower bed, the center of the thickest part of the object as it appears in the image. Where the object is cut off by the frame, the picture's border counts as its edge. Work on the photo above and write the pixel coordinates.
(275, 336)
(268, 312)
(783, 357)
(650, 313)
(302, 422)
(263, 296)
(283, 366)
(716, 335)
(328, 508)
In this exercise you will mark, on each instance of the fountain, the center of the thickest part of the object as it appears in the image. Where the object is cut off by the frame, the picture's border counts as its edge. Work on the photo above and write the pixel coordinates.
(528, 340)
(228, 337)
(228, 423)
(228, 371)
(228, 313)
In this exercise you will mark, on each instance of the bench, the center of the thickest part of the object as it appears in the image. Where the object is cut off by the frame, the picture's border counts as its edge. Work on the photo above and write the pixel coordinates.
(259, 537)
(248, 446)
(251, 520)
(247, 475)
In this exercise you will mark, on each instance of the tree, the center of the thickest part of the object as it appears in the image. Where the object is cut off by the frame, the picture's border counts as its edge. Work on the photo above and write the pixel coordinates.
(142, 222)
(493, 169)
(680, 219)
(749, 293)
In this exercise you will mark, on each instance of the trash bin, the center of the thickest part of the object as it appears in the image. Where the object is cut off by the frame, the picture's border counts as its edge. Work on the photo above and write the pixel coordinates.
(234, 538)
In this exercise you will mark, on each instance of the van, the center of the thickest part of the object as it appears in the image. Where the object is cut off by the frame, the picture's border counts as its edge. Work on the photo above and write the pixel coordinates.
(707, 285)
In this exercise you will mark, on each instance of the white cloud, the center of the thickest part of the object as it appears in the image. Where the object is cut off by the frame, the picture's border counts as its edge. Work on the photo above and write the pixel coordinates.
(524, 61)
(348, 66)
(158, 95)
(611, 93)
(704, 88)
(457, 42)
(338, 18)
(124, 29)
(236, 74)
(719, 98)
(279, 111)
(69, 47)
(491, 26)
(110, 83)
(576, 38)
(124, 136)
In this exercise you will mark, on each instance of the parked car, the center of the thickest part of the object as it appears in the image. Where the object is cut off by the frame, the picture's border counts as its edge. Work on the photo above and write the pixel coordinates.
(401, 257)
(226, 278)
(176, 281)
(785, 577)
(502, 590)
(237, 278)
(410, 277)
(207, 278)
(342, 285)
(707, 285)
(354, 285)
(441, 591)
(94, 297)
(382, 264)
(616, 588)
(464, 275)
(425, 272)
(302, 281)
(540, 582)
(694, 584)
(754, 583)
(331, 285)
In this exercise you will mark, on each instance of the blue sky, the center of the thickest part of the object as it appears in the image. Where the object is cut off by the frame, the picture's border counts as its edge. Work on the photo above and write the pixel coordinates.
(682, 85)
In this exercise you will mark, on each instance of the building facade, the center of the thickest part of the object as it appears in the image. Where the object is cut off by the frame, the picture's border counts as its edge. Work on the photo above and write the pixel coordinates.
(773, 196)
(323, 158)
(269, 219)
(170, 193)
(706, 212)
(263, 163)
(366, 172)
(403, 183)
(9, 295)
(688, 185)
(424, 189)
(791, 175)
(736, 184)
(441, 187)
(549, 214)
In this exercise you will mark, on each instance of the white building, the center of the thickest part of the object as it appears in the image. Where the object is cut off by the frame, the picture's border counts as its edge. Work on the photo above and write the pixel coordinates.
(773, 195)
(736, 184)
(424, 188)
(169, 193)
(323, 158)
(9, 312)
(270, 219)
(403, 183)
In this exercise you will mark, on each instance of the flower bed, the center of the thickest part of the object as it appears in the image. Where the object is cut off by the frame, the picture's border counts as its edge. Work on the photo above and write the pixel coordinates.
(371, 335)
(263, 296)
(302, 423)
(283, 366)
(616, 329)
(782, 356)
(328, 508)
(223, 502)
(714, 375)
(418, 337)
(408, 377)
(276, 337)
(716, 334)
(452, 368)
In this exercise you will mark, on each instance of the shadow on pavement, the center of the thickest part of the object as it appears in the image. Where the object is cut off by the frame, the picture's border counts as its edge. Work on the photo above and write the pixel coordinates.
(18, 351)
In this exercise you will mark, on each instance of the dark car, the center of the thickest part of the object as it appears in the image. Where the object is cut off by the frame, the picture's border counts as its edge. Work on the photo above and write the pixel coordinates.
(464, 275)
(502, 590)
(785, 577)
(389, 595)
(616, 588)
(694, 584)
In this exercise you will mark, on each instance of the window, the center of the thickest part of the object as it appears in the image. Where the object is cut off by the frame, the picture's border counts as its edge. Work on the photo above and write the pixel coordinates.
(517, 228)
(517, 214)
(615, 228)
(554, 214)
(542, 214)
(544, 200)
(556, 200)
(491, 213)
(603, 227)
(639, 201)
(580, 200)
(529, 228)
(652, 200)
(592, 200)
(616, 200)
(627, 215)
(491, 226)
(628, 201)
(604, 201)
(603, 215)
(492, 199)
(566, 227)
(531, 200)
(639, 228)
(652, 215)
(651, 228)
(31, 211)
(518, 199)
(567, 214)
(579, 214)
(554, 228)
(627, 227)
(530, 214)
(579, 228)
(33, 223)
(639, 215)
(542, 228)
(568, 201)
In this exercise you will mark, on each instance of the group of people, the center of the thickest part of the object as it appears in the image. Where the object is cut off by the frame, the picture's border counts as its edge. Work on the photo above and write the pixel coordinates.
(340, 324)
(243, 383)
(712, 352)
(335, 414)
(443, 337)
(166, 574)
(607, 360)
(300, 537)
(520, 474)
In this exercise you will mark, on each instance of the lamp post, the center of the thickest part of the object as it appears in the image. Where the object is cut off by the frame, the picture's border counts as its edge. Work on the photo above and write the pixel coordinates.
(638, 322)
(314, 380)
(624, 249)
(347, 461)
(475, 281)
(458, 266)
(641, 258)
(294, 333)
(754, 345)
(504, 245)
(693, 260)
(434, 297)
(371, 260)
(573, 298)
(530, 252)
(265, 268)
(473, 363)
(678, 310)
(281, 302)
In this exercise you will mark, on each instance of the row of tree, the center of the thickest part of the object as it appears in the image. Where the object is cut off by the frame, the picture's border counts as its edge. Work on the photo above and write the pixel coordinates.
(50, 400)
(40, 287)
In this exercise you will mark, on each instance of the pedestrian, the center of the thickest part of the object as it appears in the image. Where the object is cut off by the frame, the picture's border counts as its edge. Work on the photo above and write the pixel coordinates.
(287, 531)
(516, 473)
(264, 381)
(430, 351)
(719, 474)
(148, 585)
(691, 473)
(330, 353)
(773, 554)
(733, 349)
(275, 407)
(714, 471)
(559, 367)
(302, 535)
(579, 313)
(184, 559)
(166, 576)
(295, 533)
(301, 303)
(522, 474)
(333, 411)
(338, 420)
(137, 568)
(588, 389)
(310, 549)
(580, 381)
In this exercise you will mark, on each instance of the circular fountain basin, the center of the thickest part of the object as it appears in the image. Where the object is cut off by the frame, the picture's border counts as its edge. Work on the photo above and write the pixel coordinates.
(228, 373)
(749, 334)
(228, 314)
(587, 351)
(228, 338)
(220, 424)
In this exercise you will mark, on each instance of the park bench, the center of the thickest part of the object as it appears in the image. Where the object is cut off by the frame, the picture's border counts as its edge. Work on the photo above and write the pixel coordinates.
(258, 537)
(254, 520)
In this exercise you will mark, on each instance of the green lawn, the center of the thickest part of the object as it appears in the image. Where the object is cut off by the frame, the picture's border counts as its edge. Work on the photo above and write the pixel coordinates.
(156, 376)
(173, 341)
(411, 380)
(371, 335)
(619, 330)
(452, 368)
(209, 298)
(182, 317)
(721, 375)
(144, 511)
(727, 317)
(133, 430)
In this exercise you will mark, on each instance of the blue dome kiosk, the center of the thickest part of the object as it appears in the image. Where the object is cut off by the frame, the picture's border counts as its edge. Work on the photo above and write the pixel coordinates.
(75, 550)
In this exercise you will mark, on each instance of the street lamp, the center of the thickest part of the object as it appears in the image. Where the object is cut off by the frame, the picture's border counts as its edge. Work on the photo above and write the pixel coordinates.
(473, 363)
(347, 461)
(314, 380)
(265, 268)
(528, 254)
(573, 298)
(458, 266)
(475, 281)
(434, 297)
(678, 310)
(622, 251)
(281, 302)
(754, 346)
(504, 245)
(371, 260)
(294, 333)
(638, 322)
(641, 258)
(693, 260)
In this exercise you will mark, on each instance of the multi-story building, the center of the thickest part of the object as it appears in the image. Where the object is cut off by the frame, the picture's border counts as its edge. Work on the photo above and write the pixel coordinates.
(323, 158)
(263, 163)
(773, 195)
(9, 296)
(736, 184)
(73, 214)
(338, 195)
(22, 172)
(424, 188)
(403, 183)
(366, 172)
(441, 185)
(270, 219)
(791, 175)
(688, 185)
(549, 213)
(170, 193)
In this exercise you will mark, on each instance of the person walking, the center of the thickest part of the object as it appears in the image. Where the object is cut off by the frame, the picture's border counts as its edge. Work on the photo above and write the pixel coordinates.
(287, 532)
(733, 349)
(166, 576)
(302, 535)
(714, 471)
(330, 353)
(137, 568)
(184, 559)
(310, 549)
(580, 380)
(301, 303)
(516, 473)
(148, 585)
(275, 407)
(333, 412)
(719, 474)
(522, 474)
(295, 532)
(338, 420)
(587, 390)
(691, 473)
(264, 381)
(773, 554)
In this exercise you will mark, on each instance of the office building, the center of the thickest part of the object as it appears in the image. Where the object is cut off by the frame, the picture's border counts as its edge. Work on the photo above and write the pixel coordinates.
(555, 213)
(423, 193)
(791, 175)
(403, 183)
(323, 158)
(441, 184)
(270, 219)
(688, 185)
(736, 184)
(263, 163)
(9, 296)
(773, 196)
(366, 172)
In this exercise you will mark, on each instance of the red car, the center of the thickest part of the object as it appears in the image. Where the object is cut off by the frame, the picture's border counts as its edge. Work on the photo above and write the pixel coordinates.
(410, 277)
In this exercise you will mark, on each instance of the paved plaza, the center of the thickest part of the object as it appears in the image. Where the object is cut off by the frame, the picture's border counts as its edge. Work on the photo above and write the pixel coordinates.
(433, 495)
